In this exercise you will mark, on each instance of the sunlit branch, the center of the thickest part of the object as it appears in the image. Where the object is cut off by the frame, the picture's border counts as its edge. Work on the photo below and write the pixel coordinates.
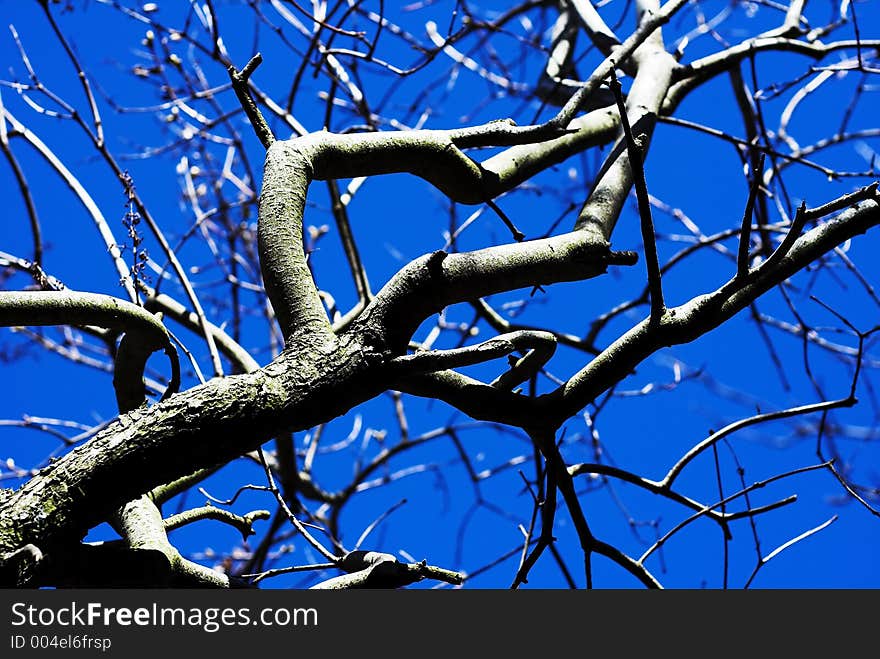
(144, 332)
(243, 523)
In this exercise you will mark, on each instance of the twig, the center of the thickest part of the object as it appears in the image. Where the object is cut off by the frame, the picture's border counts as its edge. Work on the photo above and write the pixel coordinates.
(293, 518)
(518, 235)
(658, 307)
(376, 523)
(242, 92)
(743, 492)
(763, 561)
(742, 256)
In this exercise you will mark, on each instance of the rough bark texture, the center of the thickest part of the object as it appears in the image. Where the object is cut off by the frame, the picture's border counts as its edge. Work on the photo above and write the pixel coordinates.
(319, 375)
(206, 426)
(323, 373)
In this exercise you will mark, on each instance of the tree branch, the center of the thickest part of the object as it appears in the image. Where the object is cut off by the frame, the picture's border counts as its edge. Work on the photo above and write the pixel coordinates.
(701, 314)
(242, 92)
(144, 334)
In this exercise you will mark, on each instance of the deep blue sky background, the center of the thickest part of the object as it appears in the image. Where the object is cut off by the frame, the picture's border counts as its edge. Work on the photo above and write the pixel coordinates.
(399, 217)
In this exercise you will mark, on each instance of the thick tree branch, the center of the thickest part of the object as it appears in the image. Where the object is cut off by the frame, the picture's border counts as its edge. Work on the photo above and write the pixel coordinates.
(644, 104)
(144, 334)
(433, 281)
(428, 284)
(476, 399)
(203, 427)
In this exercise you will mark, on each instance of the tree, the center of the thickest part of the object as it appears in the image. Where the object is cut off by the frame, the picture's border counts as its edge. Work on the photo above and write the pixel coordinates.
(564, 126)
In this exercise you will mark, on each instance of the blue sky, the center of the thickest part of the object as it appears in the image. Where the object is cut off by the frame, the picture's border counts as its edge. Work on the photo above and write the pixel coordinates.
(399, 217)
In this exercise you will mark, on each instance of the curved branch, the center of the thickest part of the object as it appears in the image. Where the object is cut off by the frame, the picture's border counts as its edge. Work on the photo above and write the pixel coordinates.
(244, 523)
(144, 334)
(230, 348)
(745, 423)
(25, 190)
(109, 240)
(429, 283)
(540, 346)
(476, 399)
(435, 156)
